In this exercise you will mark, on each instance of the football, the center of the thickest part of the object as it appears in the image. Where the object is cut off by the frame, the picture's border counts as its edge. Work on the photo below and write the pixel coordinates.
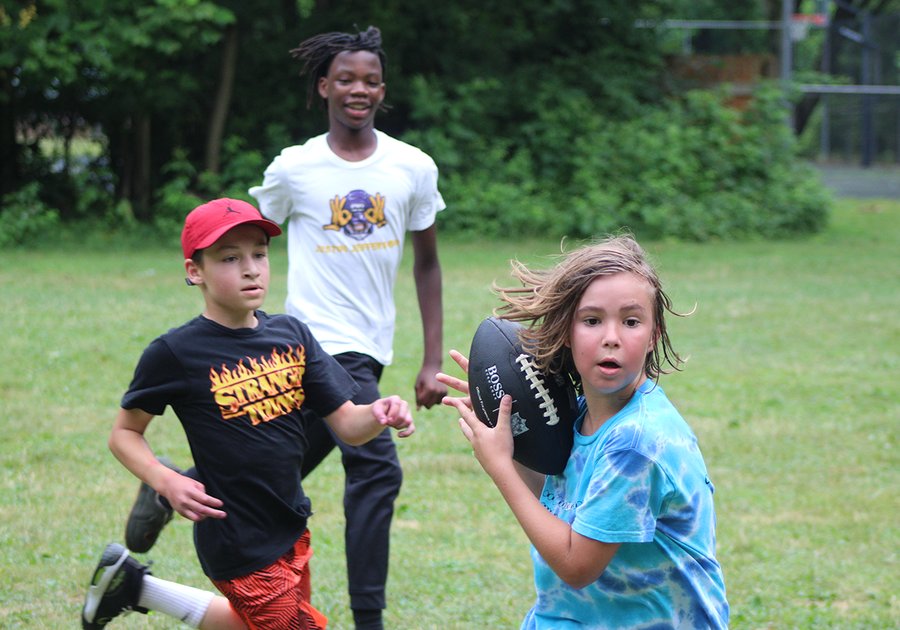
(544, 406)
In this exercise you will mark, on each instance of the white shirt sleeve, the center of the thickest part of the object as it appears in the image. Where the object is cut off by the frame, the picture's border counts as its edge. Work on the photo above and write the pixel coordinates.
(428, 201)
(274, 196)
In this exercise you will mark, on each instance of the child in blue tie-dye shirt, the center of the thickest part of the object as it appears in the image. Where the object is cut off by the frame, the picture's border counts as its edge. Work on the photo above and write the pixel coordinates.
(625, 536)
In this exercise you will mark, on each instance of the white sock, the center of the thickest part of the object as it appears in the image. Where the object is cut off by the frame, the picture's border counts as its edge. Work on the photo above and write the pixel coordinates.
(185, 603)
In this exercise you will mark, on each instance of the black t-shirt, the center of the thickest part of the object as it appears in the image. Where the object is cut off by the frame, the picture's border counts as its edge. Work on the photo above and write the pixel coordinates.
(238, 395)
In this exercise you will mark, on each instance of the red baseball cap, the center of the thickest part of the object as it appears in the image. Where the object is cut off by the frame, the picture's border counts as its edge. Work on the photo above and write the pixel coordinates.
(206, 223)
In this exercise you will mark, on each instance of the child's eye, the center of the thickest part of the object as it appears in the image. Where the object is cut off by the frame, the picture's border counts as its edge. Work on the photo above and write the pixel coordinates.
(631, 322)
(591, 321)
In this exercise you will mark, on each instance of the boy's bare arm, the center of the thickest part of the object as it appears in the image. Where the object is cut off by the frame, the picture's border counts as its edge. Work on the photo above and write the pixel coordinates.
(357, 424)
(187, 496)
(427, 275)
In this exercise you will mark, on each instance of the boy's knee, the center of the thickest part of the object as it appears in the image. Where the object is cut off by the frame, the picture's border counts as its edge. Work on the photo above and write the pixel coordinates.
(382, 473)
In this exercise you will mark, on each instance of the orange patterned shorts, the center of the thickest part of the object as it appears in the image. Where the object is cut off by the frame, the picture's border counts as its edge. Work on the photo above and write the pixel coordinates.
(277, 596)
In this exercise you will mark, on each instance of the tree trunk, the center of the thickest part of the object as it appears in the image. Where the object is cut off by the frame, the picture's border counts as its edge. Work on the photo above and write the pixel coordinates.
(141, 191)
(222, 103)
(122, 158)
(9, 150)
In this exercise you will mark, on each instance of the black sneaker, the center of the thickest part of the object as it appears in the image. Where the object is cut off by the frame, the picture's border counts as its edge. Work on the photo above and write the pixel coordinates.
(115, 588)
(148, 516)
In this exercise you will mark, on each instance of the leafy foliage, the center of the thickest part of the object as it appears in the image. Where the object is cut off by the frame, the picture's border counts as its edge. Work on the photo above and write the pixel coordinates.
(542, 117)
(25, 217)
(691, 169)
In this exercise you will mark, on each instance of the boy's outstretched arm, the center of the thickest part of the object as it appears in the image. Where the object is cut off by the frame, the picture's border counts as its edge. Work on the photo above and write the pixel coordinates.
(187, 496)
(357, 424)
(576, 559)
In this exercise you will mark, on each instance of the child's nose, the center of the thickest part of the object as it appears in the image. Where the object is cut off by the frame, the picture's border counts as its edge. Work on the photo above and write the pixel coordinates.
(610, 337)
(251, 269)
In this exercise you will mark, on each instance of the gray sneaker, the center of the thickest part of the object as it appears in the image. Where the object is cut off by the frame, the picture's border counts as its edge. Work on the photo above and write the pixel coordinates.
(115, 588)
(148, 516)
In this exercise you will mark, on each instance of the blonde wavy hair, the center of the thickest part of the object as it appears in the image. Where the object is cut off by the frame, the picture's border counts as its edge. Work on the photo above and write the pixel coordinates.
(547, 301)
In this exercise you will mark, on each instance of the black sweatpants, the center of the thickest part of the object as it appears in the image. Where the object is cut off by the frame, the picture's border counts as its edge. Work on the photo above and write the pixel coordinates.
(372, 482)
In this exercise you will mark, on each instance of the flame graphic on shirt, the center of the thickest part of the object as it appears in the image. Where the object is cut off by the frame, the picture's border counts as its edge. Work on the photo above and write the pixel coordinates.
(262, 390)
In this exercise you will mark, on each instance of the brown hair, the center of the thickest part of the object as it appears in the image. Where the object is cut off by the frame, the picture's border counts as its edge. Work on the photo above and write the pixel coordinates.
(546, 303)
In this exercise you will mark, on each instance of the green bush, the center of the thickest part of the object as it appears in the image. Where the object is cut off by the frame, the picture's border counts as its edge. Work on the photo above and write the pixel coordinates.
(25, 218)
(185, 189)
(697, 169)
(176, 198)
(691, 168)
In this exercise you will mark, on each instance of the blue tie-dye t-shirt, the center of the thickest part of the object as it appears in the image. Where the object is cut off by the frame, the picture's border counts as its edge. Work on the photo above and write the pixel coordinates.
(640, 480)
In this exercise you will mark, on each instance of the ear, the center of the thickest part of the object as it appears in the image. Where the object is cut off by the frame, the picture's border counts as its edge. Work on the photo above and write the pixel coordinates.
(323, 87)
(654, 339)
(194, 272)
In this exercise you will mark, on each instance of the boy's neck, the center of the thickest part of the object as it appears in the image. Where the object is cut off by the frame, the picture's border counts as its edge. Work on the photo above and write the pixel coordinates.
(352, 145)
(235, 321)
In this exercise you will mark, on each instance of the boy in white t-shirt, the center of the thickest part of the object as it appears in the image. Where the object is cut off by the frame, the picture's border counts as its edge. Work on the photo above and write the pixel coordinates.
(350, 196)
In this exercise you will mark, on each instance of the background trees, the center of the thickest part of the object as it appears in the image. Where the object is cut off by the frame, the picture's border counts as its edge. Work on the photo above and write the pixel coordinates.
(135, 110)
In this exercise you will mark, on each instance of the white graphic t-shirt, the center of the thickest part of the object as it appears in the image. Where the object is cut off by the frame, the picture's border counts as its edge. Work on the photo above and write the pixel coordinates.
(347, 223)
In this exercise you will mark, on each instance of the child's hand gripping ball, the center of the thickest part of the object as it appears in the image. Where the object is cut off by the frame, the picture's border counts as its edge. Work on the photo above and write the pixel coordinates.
(544, 407)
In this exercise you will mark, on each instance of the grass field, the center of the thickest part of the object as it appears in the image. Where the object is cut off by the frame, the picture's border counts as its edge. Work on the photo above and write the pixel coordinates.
(791, 388)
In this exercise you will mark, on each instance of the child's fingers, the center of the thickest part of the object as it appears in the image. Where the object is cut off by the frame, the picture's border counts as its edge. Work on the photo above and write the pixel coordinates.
(466, 430)
(399, 408)
(503, 418)
(403, 422)
(465, 400)
(461, 361)
(461, 404)
(387, 410)
(451, 381)
(467, 416)
(196, 505)
(394, 412)
(409, 430)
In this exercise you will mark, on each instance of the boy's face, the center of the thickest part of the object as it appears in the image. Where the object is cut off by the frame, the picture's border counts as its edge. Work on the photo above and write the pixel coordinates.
(354, 89)
(611, 334)
(234, 276)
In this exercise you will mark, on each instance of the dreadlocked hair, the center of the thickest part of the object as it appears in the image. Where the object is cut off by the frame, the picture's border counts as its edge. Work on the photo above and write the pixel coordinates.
(318, 52)
(547, 301)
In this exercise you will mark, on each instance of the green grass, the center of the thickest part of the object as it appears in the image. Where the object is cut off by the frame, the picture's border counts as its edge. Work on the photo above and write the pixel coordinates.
(791, 388)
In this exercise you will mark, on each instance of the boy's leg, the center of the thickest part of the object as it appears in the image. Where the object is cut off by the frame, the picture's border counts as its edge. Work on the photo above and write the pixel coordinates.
(276, 597)
(121, 584)
(372, 483)
(115, 588)
(373, 479)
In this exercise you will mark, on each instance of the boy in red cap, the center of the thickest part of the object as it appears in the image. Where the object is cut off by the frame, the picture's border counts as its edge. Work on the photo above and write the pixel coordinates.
(237, 379)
